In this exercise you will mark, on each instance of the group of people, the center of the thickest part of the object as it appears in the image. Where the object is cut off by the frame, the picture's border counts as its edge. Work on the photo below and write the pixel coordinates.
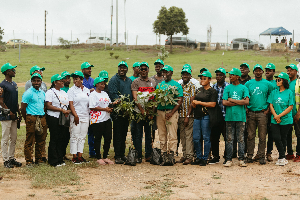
(203, 111)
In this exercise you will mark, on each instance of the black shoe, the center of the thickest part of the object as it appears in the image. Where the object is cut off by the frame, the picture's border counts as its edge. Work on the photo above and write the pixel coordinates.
(203, 162)
(92, 156)
(249, 160)
(124, 158)
(44, 159)
(139, 160)
(82, 160)
(196, 162)
(8, 164)
(213, 161)
(66, 159)
(262, 161)
(119, 161)
(15, 163)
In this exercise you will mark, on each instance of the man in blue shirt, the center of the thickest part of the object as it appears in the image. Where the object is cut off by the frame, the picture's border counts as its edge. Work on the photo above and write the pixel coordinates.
(9, 100)
(118, 85)
(217, 131)
(88, 82)
(32, 108)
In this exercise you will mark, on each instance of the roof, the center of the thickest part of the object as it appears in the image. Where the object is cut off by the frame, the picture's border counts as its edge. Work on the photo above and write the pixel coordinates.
(276, 31)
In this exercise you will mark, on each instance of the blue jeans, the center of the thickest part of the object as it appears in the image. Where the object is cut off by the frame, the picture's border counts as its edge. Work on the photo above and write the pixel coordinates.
(139, 138)
(91, 141)
(232, 129)
(201, 128)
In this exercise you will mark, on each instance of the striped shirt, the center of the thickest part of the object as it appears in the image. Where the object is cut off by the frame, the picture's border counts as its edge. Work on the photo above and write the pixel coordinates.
(220, 91)
(188, 92)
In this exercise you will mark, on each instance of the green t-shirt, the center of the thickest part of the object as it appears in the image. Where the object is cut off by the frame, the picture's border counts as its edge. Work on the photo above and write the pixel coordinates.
(133, 77)
(274, 84)
(292, 88)
(163, 85)
(235, 113)
(259, 92)
(281, 101)
(66, 89)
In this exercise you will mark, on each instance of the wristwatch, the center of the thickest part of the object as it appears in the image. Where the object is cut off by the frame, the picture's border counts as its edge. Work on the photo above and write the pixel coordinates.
(188, 116)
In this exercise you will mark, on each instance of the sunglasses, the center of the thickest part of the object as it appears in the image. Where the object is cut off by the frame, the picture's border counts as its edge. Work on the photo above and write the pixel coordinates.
(278, 80)
(143, 69)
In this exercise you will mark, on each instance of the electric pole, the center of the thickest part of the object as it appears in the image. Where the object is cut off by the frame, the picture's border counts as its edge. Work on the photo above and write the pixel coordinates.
(117, 23)
(111, 22)
(45, 26)
(125, 21)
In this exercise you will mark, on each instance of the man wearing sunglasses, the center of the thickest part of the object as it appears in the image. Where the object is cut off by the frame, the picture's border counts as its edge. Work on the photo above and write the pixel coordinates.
(39, 70)
(143, 85)
(9, 100)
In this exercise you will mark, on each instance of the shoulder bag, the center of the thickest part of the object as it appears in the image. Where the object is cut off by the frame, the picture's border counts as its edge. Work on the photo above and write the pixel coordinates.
(63, 120)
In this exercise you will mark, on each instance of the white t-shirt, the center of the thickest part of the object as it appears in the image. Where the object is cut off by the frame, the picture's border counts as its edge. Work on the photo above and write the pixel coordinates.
(80, 98)
(101, 100)
(194, 81)
(51, 97)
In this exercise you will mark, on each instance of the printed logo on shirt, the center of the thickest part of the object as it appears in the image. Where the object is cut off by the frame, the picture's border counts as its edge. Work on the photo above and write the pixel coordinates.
(256, 91)
(236, 96)
(279, 100)
(145, 91)
(95, 116)
(104, 99)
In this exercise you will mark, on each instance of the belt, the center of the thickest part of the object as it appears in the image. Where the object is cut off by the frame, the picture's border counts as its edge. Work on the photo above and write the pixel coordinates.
(257, 111)
(40, 116)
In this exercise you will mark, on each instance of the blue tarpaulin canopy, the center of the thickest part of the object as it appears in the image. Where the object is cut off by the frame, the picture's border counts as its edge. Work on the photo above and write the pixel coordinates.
(276, 31)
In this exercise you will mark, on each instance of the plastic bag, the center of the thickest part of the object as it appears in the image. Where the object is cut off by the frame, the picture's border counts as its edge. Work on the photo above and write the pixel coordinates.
(155, 156)
(132, 157)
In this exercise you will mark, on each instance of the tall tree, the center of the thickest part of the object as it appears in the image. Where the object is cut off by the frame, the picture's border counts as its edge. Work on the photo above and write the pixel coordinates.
(1, 33)
(171, 21)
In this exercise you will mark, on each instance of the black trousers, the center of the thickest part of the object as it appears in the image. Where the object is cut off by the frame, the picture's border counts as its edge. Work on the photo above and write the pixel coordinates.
(56, 147)
(279, 135)
(120, 128)
(99, 130)
(215, 139)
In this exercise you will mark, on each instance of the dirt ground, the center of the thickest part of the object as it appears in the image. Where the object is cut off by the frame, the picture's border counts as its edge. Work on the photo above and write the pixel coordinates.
(146, 181)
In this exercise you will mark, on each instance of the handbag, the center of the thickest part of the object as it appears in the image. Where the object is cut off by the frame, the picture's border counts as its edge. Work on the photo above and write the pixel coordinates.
(131, 157)
(63, 120)
(155, 156)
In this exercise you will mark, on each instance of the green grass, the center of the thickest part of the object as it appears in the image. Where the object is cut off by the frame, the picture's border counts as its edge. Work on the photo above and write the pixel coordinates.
(54, 60)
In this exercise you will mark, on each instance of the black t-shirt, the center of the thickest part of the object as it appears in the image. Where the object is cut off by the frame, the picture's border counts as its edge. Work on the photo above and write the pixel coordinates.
(10, 95)
(245, 81)
(209, 95)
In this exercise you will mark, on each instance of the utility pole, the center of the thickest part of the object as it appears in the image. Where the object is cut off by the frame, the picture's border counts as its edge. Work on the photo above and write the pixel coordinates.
(117, 23)
(125, 20)
(111, 17)
(45, 26)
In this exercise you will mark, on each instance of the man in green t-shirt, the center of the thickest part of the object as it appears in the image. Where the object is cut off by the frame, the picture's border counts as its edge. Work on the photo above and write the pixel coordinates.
(136, 71)
(257, 117)
(270, 71)
(167, 118)
(66, 80)
(292, 71)
(235, 97)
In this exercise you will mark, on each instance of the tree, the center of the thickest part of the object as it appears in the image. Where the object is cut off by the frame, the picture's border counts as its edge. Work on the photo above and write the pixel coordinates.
(1, 33)
(170, 22)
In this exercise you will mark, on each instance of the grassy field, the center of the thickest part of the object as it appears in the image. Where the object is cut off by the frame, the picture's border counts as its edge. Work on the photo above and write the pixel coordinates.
(55, 61)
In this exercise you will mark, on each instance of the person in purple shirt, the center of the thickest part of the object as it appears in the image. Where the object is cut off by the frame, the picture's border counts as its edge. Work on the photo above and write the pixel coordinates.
(88, 82)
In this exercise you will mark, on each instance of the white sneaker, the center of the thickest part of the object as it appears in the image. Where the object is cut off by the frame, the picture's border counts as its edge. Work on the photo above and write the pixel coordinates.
(242, 164)
(285, 161)
(228, 163)
(278, 162)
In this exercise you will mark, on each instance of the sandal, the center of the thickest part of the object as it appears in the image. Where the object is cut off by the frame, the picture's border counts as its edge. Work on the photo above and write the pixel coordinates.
(101, 162)
(108, 161)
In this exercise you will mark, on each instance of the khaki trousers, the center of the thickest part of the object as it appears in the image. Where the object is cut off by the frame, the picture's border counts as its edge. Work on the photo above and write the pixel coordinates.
(9, 139)
(167, 130)
(186, 137)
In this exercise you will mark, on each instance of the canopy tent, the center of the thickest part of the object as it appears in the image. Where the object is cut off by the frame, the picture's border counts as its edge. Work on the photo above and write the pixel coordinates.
(278, 31)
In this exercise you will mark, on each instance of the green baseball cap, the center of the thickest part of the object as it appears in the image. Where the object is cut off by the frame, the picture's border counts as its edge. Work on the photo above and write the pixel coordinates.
(167, 68)
(36, 75)
(36, 68)
(258, 66)
(186, 70)
(7, 66)
(206, 74)
(98, 80)
(159, 61)
(293, 66)
(270, 66)
(55, 77)
(103, 74)
(187, 66)
(283, 75)
(222, 70)
(86, 65)
(245, 64)
(203, 69)
(77, 73)
(122, 63)
(235, 71)
(136, 64)
(144, 63)
(65, 74)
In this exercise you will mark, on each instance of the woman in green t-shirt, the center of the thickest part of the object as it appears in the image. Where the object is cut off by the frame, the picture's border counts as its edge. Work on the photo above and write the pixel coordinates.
(281, 103)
